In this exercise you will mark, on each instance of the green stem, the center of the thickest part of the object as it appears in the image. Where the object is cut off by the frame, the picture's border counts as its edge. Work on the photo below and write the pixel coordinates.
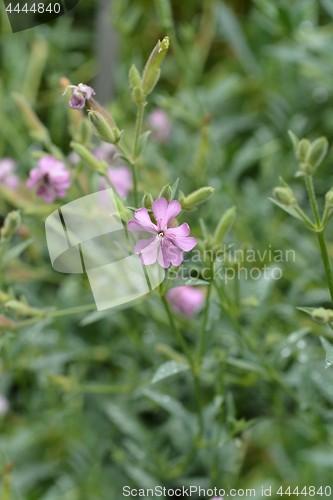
(204, 324)
(320, 235)
(309, 184)
(186, 350)
(138, 125)
(54, 314)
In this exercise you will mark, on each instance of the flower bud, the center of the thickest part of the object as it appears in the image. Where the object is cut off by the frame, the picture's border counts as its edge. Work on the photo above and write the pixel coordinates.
(12, 222)
(147, 200)
(103, 128)
(4, 297)
(284, 195)
(6, 323)
(225, 224)
(37, 129)
(302, 149)
(195, 198)
(166, 193)
(322, 315)
(134, 77)
(85, 154)
(22, 309)
(329, 198)
(317, 152)
(92, 104)
(152, 69)
(138, 96)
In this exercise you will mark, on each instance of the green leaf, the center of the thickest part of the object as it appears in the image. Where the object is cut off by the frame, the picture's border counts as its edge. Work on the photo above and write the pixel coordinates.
(174, 188)
(16, 251)
(167, 370)
(287, 208)
(143, 141)
(123, 157)
(307, 310)
(329, 352)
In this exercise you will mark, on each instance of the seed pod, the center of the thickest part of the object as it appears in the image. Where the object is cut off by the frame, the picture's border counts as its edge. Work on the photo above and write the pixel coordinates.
(12, 222)
(303, 149)
(104, 130)
(317, 152)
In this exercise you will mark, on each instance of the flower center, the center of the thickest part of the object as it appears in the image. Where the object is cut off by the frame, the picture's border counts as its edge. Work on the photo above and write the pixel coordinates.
(161, 234)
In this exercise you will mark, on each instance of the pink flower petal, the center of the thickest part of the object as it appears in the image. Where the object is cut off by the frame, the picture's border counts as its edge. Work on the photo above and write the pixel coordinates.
(163, 256)
(176, 256)
(149, 254)
(173, 232)
(135, 226)
(143, 216)
(159, 208)
(174, 208)
(185, 244)
(46, 193)
(142, 244)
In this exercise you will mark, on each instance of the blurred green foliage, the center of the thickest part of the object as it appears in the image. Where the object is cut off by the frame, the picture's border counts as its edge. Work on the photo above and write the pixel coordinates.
(85, 418)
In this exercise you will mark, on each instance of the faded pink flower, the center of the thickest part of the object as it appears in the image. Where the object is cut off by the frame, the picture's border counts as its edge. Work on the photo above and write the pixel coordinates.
(185, 299)
(105, 151)
(160, 124)
(121, 178)
(80, 94)
(7, 176)
(168, 242)
(51, 177)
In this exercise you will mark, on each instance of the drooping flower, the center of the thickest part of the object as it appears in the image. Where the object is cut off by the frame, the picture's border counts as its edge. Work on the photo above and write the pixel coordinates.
(121, 178)
(7, 176)
(160, 124)
(166, 243)
(185, 299)
(80, 94)
(51, 177)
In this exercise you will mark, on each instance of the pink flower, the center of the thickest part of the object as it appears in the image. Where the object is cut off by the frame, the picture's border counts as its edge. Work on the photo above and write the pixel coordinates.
(80, 94)
(169, 241)
(121, 178)
(7, 177)
(160, 124)
(51, 177)
(185, 299)
(105, 151)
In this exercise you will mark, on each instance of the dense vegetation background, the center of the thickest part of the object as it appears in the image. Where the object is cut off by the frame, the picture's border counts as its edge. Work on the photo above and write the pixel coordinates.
(83, 417)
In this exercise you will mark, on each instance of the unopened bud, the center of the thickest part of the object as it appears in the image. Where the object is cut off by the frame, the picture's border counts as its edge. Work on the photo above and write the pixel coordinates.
(152, 70)
(166, 193)
(138, 96)
(92, 104)
(303, 149)
(4, 297)
(12, 222)
(317, 152)
(6, 323)
(134, 77)
(322, 315)
(195, 198)
(147, 200)
(22, 309)
(85, 154)
(103, 128)
(37, 129)
(225, 224)
(284, 195)
(329, 198)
